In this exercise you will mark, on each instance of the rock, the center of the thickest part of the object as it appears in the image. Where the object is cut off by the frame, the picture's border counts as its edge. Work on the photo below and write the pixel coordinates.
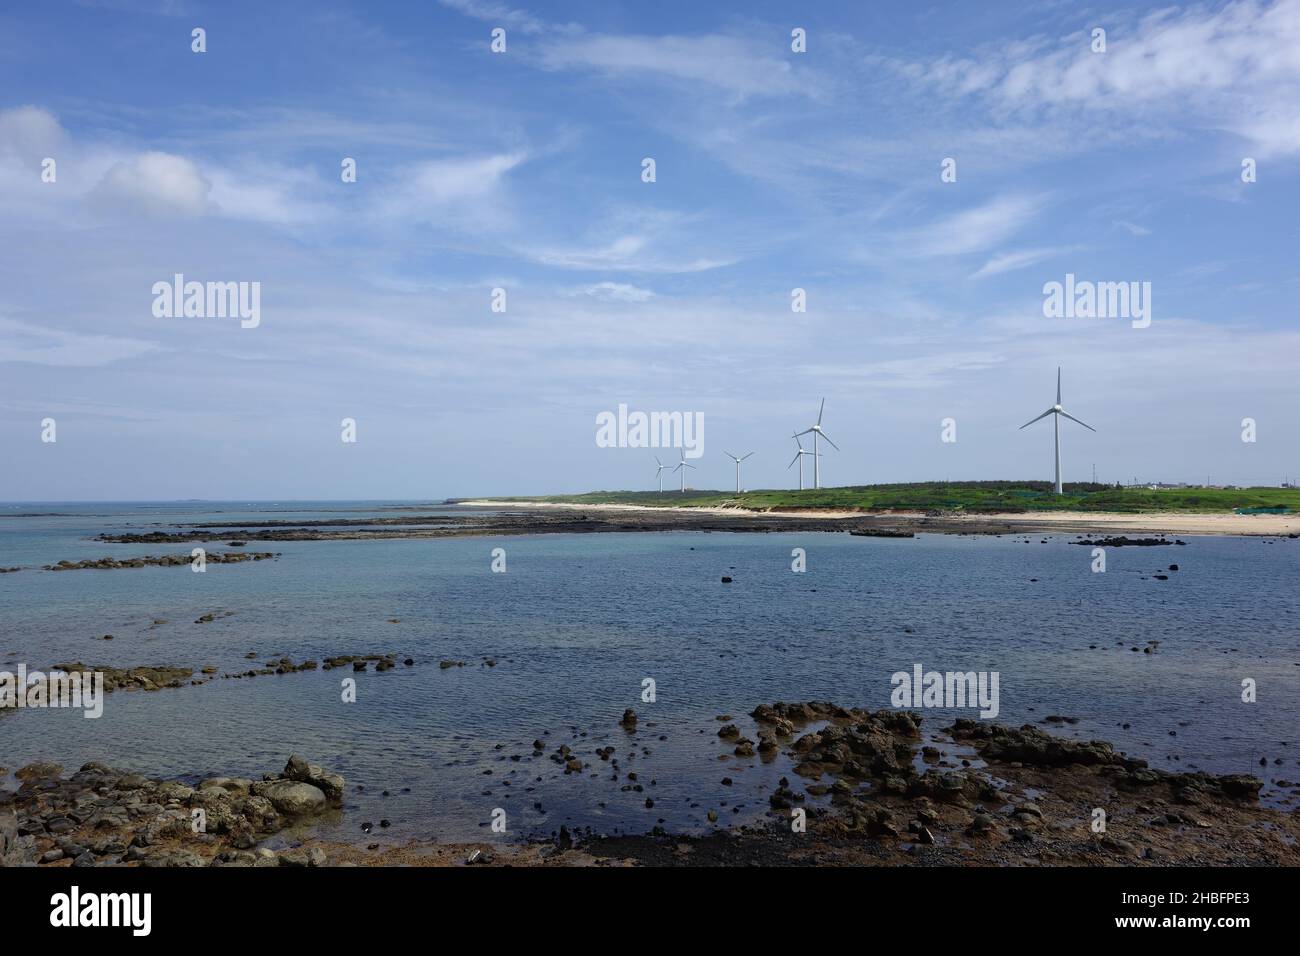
(301, 857)
(330, 784)
(292, 797)
(40, 770)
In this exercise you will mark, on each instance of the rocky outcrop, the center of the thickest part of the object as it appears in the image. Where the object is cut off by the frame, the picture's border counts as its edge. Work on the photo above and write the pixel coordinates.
(133, 678)
(1123, 541)
(101, 815)
(161, 561)
(1036, 747)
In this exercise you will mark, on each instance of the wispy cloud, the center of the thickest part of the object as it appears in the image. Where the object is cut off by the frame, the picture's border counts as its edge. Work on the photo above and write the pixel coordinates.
(1019, 259)
(38, 345)
(984, 227)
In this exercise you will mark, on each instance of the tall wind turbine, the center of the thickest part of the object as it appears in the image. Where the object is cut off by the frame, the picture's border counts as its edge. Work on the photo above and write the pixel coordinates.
(737, 461)
(659, 473)
(817, 433)
(1057, 411)
(798, 456)
(682, 466)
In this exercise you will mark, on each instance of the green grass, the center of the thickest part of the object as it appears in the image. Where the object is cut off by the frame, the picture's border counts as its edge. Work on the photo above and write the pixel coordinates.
(968, 496)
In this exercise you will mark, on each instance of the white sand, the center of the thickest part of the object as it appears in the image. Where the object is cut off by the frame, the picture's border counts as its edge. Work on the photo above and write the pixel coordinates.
(1163, 522)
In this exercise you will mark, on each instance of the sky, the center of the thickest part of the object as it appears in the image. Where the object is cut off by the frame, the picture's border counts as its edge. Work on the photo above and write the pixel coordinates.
(522, 171)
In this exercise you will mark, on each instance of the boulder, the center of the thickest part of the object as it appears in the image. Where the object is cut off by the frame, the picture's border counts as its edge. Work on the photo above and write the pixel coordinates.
(292, 797)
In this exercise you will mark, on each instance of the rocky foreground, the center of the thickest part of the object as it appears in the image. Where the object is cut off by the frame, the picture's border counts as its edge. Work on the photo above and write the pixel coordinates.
(865, 789)
(104, 816)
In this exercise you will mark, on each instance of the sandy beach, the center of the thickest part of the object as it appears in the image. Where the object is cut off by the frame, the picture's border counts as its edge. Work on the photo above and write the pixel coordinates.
(1266, 525)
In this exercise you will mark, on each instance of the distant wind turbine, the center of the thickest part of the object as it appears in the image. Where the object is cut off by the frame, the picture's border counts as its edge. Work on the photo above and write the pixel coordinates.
(798, 456)
(1058, 411)
(682, 466)
(659, 472)
(817, 433)
(737, 461)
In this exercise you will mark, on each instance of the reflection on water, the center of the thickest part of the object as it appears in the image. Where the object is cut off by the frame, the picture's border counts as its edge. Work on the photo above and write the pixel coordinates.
(579, 621)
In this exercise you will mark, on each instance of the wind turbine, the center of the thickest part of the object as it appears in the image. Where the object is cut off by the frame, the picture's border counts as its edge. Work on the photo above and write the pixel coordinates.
(737, 461)
(817, 433)
(682, 466)
(1058, 411)
(659, 473)
(798, 456)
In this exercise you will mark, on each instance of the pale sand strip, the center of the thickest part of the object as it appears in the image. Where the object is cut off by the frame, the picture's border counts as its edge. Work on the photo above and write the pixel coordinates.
(1160, 522)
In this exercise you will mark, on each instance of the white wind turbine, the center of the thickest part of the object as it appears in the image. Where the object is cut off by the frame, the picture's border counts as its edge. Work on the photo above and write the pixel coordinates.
(798, 456)
(737, 461)
(1058, 411)
(682, 466)
(659, 472)
(817, 433)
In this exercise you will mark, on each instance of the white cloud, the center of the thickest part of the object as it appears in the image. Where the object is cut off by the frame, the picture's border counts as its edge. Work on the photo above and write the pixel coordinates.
(629, 253)
(29, 133)
(614, 292)
(1132, 228)
(731, 64)
(974, 230)
(1010, 261)
(499, 14)
(156, 184)
(1236, 68)
(453, 180)
(23, 342)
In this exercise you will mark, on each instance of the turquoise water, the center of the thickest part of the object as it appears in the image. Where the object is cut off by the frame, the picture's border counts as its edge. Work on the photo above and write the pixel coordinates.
(577, 623)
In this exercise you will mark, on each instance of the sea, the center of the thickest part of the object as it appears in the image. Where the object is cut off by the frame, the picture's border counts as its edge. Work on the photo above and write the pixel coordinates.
(579, 628)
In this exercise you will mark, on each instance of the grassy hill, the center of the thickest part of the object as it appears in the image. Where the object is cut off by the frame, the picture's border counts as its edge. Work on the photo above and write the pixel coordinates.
(969, 496)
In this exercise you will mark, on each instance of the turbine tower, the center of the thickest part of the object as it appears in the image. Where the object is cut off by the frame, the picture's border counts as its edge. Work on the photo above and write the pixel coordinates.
(682, 466)
(817, 433)
(798, 456)
(659, 473)
(1057, 411)
(737, 461)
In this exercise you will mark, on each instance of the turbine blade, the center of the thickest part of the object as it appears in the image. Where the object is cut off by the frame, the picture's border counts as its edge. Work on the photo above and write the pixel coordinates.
(747, 456)
(797, 456)
(820, 411)
(826, 438)
(1073, 419)
(1058, 385)
(1032, 420)
(806, 431)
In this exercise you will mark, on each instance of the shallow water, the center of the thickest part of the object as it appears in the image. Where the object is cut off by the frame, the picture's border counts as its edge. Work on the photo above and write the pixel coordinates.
(577, 623)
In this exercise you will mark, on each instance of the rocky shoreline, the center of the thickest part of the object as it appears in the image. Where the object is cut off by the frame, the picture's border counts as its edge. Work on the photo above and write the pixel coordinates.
(866, 788)
(522, 520)
(102, 816)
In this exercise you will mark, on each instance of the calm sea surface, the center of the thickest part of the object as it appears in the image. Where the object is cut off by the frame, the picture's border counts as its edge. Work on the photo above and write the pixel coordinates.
(579, 621)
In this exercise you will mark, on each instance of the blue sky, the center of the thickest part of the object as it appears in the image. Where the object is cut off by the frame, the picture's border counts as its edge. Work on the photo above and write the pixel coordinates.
(522, 170)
